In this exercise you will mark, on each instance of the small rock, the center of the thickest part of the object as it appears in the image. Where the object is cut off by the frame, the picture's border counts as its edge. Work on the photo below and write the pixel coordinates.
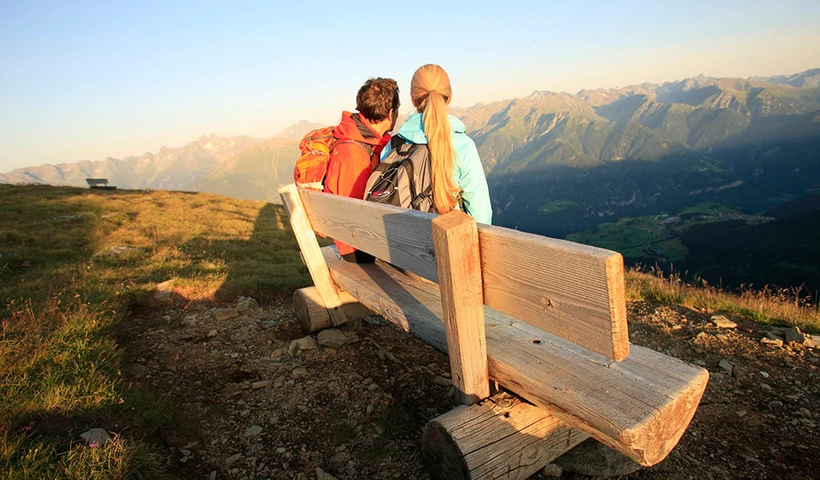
(212, 476)
(304, 343)
(812, 341)
(444, 382)
(776, 404)
(162, 292)
(213, 332)
(773, 342)
(261, 384)
(722, 322)
(794, 335)
(773, 335)
(276, 353)
(700, 362)
(806, 412)
(166, 318)
(269, 323)
(552, 470)
(232, 459)
(766, 387)
(726, 366)
(221, 314)
(741, 413)
(246, 303)
(335, 338)
(299, 372)
(322, 475)
(96, 437)
(253, 431)
(701, 336)
(764, 374)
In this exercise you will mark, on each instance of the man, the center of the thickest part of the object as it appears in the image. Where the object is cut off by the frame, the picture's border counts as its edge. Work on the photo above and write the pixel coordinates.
(360, 138)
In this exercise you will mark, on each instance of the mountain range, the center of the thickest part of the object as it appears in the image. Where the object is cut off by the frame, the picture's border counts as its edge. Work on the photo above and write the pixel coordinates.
(569, 165)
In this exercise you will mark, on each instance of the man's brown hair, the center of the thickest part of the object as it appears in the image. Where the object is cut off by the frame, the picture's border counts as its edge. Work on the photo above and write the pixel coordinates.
(377, 98)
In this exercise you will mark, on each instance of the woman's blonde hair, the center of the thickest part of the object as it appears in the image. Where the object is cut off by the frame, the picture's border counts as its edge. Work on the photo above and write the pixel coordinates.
(431, 92)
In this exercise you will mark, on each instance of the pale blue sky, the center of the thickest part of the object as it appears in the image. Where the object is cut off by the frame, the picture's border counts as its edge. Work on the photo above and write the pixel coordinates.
(85, 80)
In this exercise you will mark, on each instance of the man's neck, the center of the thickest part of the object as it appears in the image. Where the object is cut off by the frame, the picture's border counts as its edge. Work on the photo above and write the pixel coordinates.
(380, 127)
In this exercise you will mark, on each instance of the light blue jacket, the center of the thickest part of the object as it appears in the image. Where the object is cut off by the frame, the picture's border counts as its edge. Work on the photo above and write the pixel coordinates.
(468, 172)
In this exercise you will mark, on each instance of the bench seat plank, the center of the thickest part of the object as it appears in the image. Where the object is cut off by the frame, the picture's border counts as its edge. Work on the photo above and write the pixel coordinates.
(571, 290)
(640, 406)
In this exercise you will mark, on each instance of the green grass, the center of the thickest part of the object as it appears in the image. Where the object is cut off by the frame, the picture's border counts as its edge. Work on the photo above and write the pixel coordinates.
(786, 307)
(60, 363)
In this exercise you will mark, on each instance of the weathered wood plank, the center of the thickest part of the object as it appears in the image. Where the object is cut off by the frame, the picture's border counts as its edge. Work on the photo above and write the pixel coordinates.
(459, 271)
(311, 253)
(397, 235)
(639, 406)
(499, 438)
(571, 290)
(565, 288)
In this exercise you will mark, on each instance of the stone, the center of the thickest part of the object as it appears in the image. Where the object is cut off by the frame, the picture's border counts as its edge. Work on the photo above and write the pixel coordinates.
(794, 335)
(253, 431)
(261, 384)
(552, 470)
(212, 333)
(335, 338)
(96, 437)
(812, 341)
(776, 404)
(304, 343)
(322, 475)
(766, 387)
(726, 366)
(246, 303)
(444, 382)
(593, 458)
(722, 322)
(269, 323)
(773, 342)
(221, 314)
(232, 459)
(299, 372)
(162, 292)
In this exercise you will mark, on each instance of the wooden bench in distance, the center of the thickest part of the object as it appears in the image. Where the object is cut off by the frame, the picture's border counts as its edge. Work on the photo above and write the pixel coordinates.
(99, 183)
(540, 293)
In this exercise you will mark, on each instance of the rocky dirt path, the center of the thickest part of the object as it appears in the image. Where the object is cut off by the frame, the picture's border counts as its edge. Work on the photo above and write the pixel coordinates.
(255, 404)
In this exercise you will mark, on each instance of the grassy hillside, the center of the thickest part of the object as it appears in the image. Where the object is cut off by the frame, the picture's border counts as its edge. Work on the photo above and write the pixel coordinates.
(73, 264)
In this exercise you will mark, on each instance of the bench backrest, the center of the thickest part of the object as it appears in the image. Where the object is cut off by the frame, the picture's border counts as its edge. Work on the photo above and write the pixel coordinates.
(571, 290)
(96, 181)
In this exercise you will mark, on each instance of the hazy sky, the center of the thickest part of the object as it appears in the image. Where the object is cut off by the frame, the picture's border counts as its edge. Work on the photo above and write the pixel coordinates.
(86, 80)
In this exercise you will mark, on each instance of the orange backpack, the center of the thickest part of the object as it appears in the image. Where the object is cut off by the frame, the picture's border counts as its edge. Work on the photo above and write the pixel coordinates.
(311, 167)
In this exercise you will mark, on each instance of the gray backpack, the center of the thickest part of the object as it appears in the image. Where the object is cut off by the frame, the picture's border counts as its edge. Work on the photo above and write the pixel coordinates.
(403, 178)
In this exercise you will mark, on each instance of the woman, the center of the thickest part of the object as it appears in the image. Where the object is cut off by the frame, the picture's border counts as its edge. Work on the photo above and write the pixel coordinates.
(456, 168)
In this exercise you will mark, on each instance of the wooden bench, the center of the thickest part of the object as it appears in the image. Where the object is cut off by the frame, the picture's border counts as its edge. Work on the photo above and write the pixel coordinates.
(99, 183)
(543, 318)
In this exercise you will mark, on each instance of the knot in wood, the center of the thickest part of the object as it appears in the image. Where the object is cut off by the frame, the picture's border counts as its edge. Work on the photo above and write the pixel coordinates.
(547, 303)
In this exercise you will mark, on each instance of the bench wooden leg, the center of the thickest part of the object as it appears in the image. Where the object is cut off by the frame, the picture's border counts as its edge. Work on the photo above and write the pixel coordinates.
(501, 437)
(312, 253)
(313, 316)
(455, 237)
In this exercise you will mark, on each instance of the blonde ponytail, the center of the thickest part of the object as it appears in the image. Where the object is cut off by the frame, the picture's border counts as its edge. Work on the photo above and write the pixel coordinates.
(430, 91)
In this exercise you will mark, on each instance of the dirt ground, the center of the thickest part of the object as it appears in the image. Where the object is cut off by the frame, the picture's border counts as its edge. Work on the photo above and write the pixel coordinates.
(252, 409)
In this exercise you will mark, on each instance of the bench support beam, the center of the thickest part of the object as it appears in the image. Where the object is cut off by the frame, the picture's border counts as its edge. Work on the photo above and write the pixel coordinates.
(313, 316)
(500, 438)
(455, 237)
(312, 253)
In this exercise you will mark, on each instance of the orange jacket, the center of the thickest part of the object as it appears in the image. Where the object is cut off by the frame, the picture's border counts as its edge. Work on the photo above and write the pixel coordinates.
(350, 163)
